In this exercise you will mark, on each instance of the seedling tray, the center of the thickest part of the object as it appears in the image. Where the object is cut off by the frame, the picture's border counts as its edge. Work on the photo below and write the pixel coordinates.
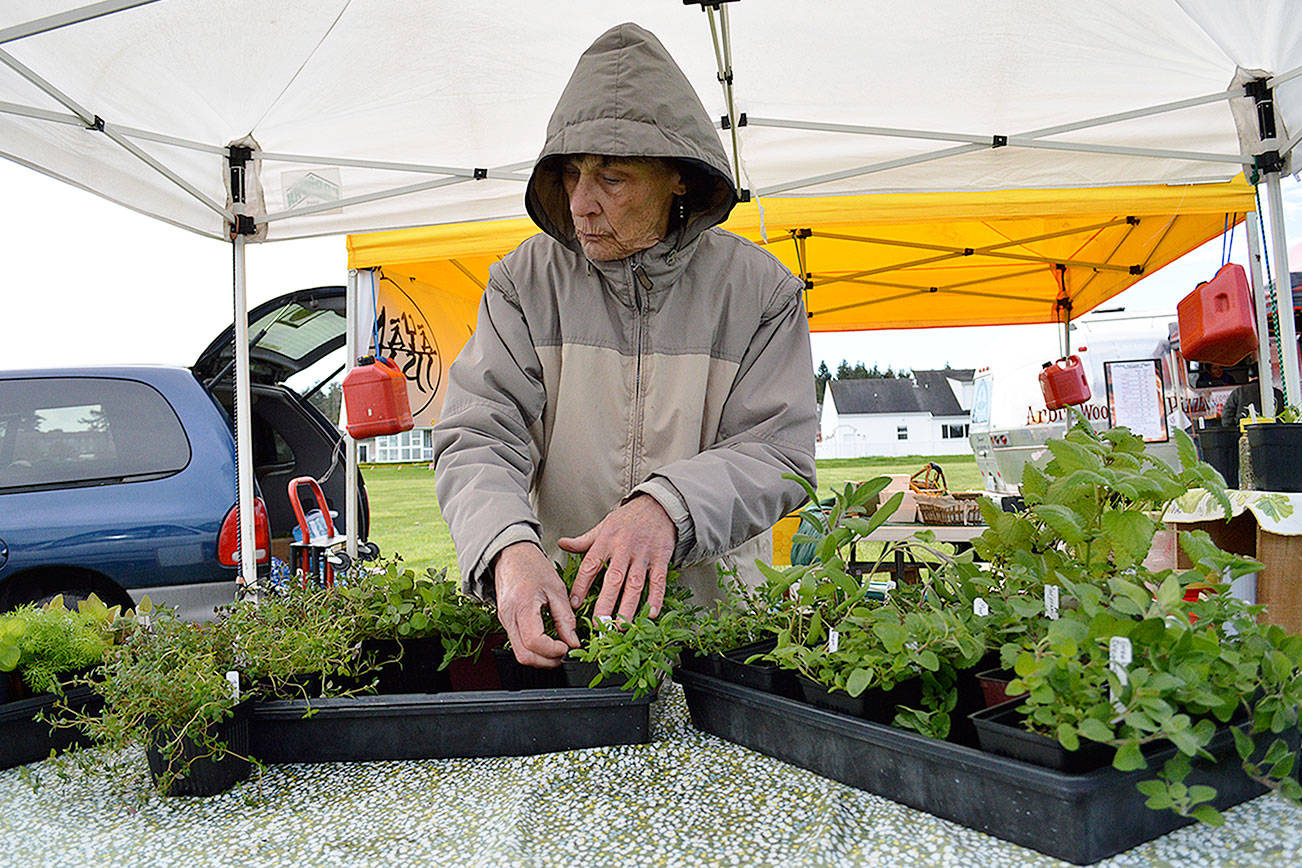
(1080, 818)
(441, 725)
(23, 739)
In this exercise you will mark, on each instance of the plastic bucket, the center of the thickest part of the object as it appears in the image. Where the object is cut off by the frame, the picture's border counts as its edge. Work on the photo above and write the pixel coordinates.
(1276, 449)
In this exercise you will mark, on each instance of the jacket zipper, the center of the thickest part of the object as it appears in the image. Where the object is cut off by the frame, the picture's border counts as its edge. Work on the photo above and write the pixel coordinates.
(639, 282)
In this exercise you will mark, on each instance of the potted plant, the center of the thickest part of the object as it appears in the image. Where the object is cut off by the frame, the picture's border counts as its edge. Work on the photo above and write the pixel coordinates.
(1276, 450)
(1133, 661)
(166, 688)
(45, 654)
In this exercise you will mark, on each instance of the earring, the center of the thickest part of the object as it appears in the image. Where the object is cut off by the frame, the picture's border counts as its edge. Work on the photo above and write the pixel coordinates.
(682, 211)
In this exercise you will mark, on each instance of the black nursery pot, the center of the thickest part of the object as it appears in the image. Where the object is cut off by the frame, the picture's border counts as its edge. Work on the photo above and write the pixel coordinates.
(705, 664)
(516, 676)
(768, 677)
(1219, 446)
(1276, 449)
(207, 776)
(875, 704)
(994, 686)
(409, 665)
(479, 673)
(999, 730)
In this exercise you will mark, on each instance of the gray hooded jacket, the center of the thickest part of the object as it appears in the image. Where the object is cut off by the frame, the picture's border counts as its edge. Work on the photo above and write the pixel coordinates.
(682, 372)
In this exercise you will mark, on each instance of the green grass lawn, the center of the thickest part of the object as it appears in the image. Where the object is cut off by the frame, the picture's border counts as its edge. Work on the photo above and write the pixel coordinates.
(405, 517)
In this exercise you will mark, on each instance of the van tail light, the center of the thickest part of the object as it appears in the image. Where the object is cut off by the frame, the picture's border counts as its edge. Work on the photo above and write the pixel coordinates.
(228, 541)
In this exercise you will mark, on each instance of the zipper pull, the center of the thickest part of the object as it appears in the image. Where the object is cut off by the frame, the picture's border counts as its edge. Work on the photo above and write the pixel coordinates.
(640, 273)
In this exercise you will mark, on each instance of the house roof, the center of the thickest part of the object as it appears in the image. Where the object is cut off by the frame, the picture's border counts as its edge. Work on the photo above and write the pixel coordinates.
(931, 393)
(876, 395)
(934, 391)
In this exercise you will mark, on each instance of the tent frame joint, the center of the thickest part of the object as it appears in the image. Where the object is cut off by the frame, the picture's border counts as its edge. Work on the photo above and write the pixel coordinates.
(708, 4)
(480, 174)
(726, 124)
(1268, 162)
(96, 124)
(998, 141)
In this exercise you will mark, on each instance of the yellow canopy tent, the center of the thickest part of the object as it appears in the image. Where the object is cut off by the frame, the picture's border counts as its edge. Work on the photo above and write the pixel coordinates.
(920, 260)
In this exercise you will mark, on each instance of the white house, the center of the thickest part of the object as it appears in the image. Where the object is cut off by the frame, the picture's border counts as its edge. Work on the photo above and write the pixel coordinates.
(924, 414)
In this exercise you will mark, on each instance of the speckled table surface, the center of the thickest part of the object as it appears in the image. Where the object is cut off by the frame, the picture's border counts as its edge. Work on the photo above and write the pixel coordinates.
(687, 798)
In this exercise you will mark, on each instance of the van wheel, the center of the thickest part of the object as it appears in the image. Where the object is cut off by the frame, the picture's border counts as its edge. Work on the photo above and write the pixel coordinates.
(73, 587)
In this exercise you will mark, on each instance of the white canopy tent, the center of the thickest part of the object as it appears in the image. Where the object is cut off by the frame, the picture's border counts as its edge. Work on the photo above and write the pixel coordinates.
(259, 121)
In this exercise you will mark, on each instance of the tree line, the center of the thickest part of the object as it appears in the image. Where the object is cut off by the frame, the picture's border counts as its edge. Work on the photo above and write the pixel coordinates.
(847, 371)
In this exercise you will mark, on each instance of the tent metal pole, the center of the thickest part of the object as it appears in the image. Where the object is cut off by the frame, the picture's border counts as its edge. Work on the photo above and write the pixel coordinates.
(276, 156)
(243, 424)
(1283, 293)
(870, 169)
(1292, 143)
(26, 111)
(351, 511)
(95, 122)
(1276, 81)
(1259, 293)
(72, 16)
(1157, 153)
(358, 200)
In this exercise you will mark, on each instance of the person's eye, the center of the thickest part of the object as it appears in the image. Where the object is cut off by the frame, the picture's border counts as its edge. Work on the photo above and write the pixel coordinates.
(612, 179)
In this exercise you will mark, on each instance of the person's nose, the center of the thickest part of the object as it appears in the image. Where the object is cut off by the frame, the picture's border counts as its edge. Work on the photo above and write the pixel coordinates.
(582, 201)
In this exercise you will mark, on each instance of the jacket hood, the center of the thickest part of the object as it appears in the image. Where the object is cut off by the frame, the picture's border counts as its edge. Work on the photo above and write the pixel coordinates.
(628, 98)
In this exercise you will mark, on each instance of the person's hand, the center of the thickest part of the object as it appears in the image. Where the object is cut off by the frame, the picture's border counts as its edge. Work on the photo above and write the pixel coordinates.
(526, 581)
(635, 541)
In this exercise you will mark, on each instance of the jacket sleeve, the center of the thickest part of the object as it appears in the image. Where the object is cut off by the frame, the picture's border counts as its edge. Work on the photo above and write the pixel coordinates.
(484, 455)
(734, 489)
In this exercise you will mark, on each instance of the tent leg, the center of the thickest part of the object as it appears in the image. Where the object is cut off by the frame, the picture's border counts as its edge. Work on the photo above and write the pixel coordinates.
(351, 505)
(1259, 294)
(1283, 292)
(243, 425)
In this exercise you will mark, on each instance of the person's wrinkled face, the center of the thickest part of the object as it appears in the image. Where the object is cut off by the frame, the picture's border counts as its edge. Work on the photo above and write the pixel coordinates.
(619, 206)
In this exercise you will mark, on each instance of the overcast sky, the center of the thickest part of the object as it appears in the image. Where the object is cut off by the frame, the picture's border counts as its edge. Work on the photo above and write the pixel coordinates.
(88, 282)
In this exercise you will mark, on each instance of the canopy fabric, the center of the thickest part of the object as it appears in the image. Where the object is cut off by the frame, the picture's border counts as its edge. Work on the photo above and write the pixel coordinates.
(1108, 238)
(344, 101)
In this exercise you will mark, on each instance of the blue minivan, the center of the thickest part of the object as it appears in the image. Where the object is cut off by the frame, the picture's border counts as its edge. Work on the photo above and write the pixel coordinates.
(121, 480)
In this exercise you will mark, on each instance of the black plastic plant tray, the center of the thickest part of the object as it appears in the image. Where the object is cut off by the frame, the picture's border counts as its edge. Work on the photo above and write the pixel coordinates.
(23, 739)
(441, 725)
(1080, 818)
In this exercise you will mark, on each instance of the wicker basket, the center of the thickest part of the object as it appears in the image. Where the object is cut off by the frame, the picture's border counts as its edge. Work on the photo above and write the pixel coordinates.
(954, 508)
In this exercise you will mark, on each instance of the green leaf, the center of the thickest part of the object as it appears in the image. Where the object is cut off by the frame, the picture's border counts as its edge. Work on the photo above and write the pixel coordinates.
(1071, 456)
(928, 660)
(1062, 520)
(1128, 758)
(885, 511)
(1130, 535)
(1206, 813)
(1067, 736)
(892, 635)
(1243, 743)
(1184, 447)
(1095, 730)
(1200, 793)
(858, 681)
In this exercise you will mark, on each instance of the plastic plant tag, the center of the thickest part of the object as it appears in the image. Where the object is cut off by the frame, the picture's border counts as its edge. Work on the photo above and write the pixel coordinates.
(833, 641)
(233, 679)
(980, 608)
(1051, 602)
(1120, 653)
(879, 589)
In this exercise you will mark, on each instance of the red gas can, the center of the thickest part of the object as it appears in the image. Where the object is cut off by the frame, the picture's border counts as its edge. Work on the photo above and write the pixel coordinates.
(375, 393)
(1217, 325)
(1064, 384)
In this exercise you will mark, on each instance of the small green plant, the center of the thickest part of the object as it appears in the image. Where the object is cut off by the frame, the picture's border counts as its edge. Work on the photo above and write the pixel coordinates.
(286, 642)
(639, 653)
(1191, 657)
(850, 631)
(165, 686)
(45, 645)
(399, 604)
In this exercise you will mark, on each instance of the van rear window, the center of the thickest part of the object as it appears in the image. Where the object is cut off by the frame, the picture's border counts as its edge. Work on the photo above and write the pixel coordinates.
(65, 431)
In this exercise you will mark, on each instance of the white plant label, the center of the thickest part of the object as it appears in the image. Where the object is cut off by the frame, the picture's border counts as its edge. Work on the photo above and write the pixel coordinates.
(233, 678)
(980, 608)
(1120, 653)
(833, 641)
(1051, 602)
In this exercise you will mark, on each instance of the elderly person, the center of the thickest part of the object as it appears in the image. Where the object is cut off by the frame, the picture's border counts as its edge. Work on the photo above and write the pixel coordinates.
(638, 382)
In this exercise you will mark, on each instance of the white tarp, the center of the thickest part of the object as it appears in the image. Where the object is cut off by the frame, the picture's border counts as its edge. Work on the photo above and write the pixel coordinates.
(464, 85)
